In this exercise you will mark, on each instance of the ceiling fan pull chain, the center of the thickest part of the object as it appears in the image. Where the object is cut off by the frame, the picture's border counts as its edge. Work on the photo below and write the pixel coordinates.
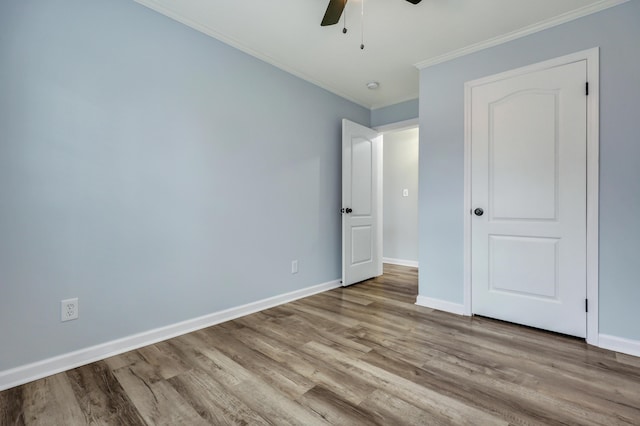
(362, 27)
(344, 23)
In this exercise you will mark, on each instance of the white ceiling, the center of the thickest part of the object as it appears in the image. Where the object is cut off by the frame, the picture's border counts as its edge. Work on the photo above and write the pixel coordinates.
(398, 36)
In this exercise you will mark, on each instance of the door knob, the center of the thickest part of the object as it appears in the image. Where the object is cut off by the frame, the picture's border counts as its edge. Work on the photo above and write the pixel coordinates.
(478, 212)
(349, 210)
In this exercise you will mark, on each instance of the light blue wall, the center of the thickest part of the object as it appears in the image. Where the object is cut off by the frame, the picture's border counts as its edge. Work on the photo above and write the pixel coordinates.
(617, 32)
(400, 213)
(153, 172)
(394, 113)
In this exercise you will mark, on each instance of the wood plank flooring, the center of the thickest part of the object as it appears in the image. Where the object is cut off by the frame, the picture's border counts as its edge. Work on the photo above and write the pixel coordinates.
(351, 356)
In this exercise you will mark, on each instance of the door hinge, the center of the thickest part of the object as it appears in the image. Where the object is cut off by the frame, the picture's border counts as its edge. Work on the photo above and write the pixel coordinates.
(586, 88)
(586, 305)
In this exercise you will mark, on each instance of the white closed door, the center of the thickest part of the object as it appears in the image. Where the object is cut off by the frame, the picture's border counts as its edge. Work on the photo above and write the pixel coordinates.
(528, 176)
(361, 203)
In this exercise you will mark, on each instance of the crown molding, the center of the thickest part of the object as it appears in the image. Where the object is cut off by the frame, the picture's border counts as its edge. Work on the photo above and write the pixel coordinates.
(396, 101)
(399, 126)
(522, 32)
(153, 5)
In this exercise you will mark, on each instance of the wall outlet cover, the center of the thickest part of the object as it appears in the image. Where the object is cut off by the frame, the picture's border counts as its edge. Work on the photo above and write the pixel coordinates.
(69, 309)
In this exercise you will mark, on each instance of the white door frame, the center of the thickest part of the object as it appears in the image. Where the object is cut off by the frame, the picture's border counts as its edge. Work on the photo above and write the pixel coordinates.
(592, 56)
(399, 126)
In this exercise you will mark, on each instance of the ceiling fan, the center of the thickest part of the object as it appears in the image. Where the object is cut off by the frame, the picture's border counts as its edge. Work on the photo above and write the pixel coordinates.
(335, 8)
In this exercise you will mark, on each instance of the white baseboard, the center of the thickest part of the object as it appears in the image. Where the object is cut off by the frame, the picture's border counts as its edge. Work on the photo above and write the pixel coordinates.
(441, 305)
(37, 370)
(619, 344)
(401, 262)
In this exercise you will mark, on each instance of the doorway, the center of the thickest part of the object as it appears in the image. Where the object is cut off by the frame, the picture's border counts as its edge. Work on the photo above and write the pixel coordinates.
(362, 197)
(400, 201)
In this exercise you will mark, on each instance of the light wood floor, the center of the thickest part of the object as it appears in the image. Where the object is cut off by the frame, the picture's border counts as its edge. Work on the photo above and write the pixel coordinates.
(359, 355)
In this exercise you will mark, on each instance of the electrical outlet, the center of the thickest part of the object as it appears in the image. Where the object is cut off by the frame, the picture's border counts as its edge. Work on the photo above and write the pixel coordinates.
(294, 266)
(69, 309)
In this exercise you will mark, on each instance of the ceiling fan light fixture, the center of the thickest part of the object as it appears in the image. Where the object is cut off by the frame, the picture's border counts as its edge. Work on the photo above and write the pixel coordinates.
(373, 85)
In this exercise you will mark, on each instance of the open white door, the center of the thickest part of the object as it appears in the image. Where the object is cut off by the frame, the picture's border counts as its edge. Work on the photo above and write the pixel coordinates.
(361, 203)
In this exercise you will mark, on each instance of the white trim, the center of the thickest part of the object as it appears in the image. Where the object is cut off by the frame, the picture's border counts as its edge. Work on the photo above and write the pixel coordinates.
(466, 256)
(620, 344)
(593, 194)
(522, 32)
(441, 305)
(593, 147)
(411, 97)
(379, 158)
(401, 262)
(37, 370)
(412, 123)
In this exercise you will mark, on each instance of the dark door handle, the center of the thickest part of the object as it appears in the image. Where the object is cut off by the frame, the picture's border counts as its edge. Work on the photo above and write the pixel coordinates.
(478, 212)
(349, 210)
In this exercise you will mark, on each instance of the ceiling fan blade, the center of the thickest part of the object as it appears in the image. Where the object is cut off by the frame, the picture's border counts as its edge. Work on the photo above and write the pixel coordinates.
(335, 9)
(333, 13)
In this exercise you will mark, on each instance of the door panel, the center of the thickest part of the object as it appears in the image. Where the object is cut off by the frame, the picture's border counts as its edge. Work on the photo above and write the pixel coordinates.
(533, 266)
(361, 176)
(361, 244)
(361, 203)
(523, 156)
(528, 171)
